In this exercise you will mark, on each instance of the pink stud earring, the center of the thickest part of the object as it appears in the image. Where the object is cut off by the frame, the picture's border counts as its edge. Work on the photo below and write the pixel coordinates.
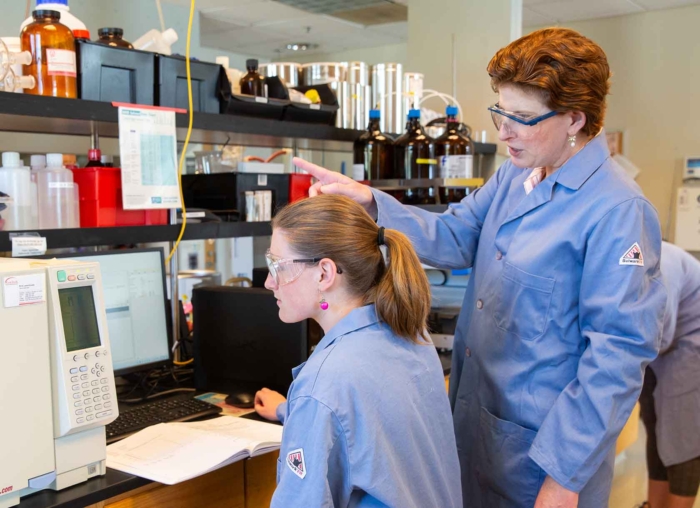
(323, 303)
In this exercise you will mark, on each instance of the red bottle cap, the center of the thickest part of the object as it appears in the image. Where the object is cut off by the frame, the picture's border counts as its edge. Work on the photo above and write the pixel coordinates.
(81, 34)
(94, 154)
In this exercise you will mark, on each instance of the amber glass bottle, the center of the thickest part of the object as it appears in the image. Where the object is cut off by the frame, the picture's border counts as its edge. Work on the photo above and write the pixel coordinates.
(373, 152)
(113, 36)
(53, 55)
(455, 154)
(253, 83)
(414, 155)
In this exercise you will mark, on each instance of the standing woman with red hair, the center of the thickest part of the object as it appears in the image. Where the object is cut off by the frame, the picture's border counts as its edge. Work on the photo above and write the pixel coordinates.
(565, 305)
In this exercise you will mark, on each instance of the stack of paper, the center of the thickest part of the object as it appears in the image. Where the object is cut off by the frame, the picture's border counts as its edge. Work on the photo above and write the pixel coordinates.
(174, 452)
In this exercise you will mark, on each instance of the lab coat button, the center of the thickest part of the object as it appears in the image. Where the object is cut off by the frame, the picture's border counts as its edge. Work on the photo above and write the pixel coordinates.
(499, 255)
(479, 304)
(468, 352)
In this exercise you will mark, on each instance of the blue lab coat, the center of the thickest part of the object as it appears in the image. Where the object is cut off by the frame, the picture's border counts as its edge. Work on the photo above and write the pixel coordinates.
(677, 369)
(367, 424)
(558, 323)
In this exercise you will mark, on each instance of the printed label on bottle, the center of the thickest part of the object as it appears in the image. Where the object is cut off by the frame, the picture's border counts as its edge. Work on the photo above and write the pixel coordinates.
(61, 62)
(457, 166)
(60, 185)
(426, 161)
(358, 172)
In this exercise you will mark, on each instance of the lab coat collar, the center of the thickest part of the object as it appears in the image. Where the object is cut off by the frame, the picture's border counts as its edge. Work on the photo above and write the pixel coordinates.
(355, 320)
(574, 173)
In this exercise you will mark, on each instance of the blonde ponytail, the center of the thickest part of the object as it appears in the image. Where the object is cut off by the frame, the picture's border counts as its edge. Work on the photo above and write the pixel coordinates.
(340, 229)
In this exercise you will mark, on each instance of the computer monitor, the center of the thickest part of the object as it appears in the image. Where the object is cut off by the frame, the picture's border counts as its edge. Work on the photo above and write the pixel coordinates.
(240, 343)
(133, 283)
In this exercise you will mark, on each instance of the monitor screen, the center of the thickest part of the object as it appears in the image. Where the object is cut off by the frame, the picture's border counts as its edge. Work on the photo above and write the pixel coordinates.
(79, 318)
(133, 282)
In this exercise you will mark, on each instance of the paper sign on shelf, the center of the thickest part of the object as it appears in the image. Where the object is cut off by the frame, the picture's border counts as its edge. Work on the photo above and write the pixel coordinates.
(28, 246)
(19, 290)
(148, 149)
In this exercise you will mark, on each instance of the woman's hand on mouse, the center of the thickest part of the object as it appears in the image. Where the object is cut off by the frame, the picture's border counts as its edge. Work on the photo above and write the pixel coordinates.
(266, 403)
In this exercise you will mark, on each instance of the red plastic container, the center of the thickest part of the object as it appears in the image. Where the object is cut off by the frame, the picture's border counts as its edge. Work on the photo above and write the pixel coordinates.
(101, 205)
(299, 185)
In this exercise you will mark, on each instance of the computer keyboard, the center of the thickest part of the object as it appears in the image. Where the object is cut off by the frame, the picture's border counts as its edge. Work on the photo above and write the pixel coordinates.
(174, 409)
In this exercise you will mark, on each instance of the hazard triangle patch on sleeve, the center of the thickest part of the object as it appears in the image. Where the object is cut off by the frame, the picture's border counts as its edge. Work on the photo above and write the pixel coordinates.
(633, 256)
(296, 462)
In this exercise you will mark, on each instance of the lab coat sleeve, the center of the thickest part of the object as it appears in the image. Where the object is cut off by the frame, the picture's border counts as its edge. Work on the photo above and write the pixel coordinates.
(315, 430)
(281, 412)
(621, 310)
(446, 240)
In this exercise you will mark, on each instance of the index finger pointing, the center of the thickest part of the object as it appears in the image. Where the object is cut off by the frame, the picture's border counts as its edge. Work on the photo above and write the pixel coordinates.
(317, 171)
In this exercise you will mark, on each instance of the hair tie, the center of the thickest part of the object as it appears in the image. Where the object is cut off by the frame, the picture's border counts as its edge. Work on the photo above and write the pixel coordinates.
(380, 237)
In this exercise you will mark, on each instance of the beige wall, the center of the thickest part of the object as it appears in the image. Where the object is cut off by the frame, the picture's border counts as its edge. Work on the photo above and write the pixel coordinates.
(655, 98)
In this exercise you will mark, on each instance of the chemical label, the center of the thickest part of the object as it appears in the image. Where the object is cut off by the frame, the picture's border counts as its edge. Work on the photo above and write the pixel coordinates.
(457, 166)
(61, 62)
(358, 172)
(262, 180)
(20, 290)
(28, 246)
(61, 185)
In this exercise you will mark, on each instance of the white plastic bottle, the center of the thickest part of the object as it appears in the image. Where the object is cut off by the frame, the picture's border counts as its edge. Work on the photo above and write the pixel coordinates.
(157, 42)
(61, 6)
(15, 181)
(56, 194)
(36, 164)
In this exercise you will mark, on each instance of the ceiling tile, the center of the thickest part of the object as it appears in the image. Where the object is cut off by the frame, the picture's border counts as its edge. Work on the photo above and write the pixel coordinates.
(203, 5)
(565, 10)
(261, 12)
(399, 30)
(665, 4)
(311, 27)
(532, 18)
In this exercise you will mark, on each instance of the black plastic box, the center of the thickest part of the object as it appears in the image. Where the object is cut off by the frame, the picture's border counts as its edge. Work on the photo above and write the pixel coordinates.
(224, 193)
(260, 107)
(208, 84)
(110, 74)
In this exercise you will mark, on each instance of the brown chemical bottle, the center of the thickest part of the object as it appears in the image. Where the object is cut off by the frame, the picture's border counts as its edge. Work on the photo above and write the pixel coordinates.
(414, 155)
(455, 154)
(253, 83)
(113, 37)
(52, 47)
(373, 152)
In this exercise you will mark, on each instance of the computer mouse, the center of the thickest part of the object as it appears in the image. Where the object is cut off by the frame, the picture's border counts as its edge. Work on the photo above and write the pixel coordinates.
(243, 400)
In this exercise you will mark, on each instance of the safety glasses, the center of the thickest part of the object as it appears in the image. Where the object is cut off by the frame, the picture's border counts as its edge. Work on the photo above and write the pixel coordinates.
(286, 271)
(513, 121)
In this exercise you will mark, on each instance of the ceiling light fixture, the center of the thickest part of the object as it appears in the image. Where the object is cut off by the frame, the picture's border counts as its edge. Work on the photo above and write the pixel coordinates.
(301, 46)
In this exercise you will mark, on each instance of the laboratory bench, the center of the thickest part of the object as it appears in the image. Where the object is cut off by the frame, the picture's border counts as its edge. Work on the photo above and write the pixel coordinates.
(245, 484)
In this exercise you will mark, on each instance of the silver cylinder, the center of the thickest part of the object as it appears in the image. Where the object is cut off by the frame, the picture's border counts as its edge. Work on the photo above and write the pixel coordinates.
(360, 104)
(387, 81)
(412, 91)
(288, 72)
(323, 72)
(358, 73)
(342, 93)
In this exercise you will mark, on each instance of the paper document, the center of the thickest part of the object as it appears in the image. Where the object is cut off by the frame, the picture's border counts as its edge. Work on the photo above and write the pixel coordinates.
(174, 452)
(148, 149)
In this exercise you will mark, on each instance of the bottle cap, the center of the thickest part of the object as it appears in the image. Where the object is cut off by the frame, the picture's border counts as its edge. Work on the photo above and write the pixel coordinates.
(170, 37)
(110, 31)
(81, 34)
(251, 63)
(11, 160)
(59, 2)
(94, 154)
(37, 161)
(375, 114)
(54, 160)
(413, 113)
(43, 13)
(107, 159)
(452, 111)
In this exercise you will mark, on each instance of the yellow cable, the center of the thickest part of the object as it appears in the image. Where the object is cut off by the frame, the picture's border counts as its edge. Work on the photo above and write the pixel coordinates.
(184, 148)
(189, 133)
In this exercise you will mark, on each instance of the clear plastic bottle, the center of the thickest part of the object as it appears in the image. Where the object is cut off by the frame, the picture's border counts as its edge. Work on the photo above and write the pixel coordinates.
(61, 6)
(414, 154)
(52, 47)
(36, 163)
(15, 182)
(56, 195)
(157, 42)
(373, 152)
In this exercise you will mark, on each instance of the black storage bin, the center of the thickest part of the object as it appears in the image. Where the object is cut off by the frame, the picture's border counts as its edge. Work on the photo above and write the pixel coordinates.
(260, 107)
(224, 193)
(209, 82)
(310, 113)
(110, 74)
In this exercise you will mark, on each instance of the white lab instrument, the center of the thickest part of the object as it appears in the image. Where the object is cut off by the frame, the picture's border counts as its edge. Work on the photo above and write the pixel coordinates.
(58, 381)
(691, 170)
(688, 218)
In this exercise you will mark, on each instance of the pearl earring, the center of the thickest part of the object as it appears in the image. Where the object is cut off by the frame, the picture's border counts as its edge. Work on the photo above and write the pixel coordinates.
(572, 140)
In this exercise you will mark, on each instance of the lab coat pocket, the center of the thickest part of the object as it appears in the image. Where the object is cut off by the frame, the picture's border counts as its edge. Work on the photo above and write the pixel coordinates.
(507, 476)
(524, 301)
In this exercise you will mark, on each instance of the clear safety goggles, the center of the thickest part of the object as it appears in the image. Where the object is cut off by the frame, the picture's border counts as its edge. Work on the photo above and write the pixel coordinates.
(514, 122)
(285, 271)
